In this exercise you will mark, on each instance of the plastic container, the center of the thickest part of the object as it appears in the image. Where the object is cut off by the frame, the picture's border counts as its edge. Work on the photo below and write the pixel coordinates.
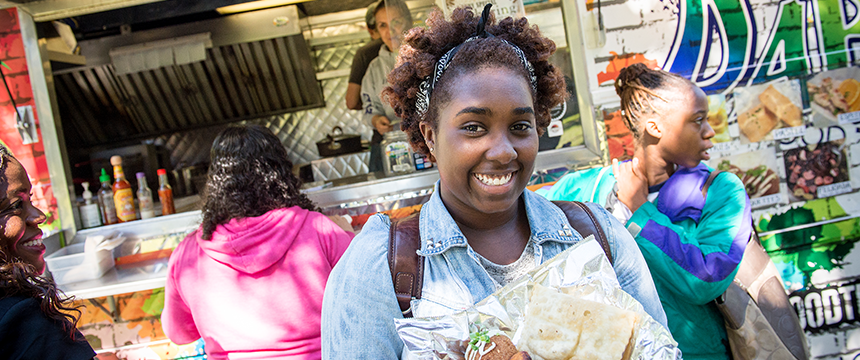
(68, 265)
(396, 154)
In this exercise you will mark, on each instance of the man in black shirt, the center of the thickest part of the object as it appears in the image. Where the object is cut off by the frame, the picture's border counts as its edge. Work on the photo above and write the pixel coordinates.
(362, 59)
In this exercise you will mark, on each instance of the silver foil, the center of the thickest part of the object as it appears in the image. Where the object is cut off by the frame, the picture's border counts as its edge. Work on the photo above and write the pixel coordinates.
(582, 271)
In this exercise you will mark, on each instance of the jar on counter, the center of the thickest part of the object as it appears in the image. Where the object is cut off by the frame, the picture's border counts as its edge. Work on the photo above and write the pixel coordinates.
(396, 154)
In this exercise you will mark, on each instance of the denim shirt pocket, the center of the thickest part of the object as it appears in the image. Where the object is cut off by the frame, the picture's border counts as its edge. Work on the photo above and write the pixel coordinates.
(444, 292)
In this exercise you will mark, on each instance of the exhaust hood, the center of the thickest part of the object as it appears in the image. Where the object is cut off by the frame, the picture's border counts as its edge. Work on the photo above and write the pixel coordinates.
(256, 64)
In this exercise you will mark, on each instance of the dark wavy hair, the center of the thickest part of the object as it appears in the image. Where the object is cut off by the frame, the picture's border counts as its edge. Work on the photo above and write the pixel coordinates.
(424, 46)
(638, 87)
(18, 278)
(249, 175)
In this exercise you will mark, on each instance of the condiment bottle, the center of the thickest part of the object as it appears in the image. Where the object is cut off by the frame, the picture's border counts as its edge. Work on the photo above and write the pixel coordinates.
(144, 197)
(106, 200)
(90, 209)
(165, 193)
(122, 194)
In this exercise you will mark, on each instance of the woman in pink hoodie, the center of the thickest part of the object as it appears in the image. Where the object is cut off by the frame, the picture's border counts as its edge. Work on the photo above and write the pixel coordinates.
(250, 280)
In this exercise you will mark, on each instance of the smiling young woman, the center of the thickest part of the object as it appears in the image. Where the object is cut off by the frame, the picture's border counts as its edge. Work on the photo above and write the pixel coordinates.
(692, 244)
(35, 321)
(475, 96)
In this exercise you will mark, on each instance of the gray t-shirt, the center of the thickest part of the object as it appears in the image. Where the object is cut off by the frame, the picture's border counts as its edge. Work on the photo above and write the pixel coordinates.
(504, 274)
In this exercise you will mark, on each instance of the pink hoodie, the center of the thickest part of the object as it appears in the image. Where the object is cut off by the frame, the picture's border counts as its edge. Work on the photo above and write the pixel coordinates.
(255, 289)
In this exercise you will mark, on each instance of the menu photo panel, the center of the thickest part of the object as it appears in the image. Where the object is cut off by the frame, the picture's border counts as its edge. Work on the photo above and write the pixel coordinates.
(769, 111)
(834, 96)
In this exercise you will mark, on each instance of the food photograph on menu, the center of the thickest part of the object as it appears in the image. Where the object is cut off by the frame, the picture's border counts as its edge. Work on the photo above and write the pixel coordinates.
(817, 171)
(834, 95)
(718, 119)
(759, 173)
(762, 109)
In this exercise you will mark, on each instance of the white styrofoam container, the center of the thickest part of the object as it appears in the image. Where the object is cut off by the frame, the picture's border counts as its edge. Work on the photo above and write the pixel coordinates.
(68, 265)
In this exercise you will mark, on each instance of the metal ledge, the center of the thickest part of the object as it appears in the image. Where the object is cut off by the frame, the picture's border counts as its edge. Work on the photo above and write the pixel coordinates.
(377, 190)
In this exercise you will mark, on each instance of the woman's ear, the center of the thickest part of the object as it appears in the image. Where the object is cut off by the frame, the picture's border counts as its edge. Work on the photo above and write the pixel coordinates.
(429, 134)
(653, 127)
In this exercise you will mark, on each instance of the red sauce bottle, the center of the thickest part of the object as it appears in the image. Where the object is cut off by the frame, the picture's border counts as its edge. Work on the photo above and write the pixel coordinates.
(165, 193)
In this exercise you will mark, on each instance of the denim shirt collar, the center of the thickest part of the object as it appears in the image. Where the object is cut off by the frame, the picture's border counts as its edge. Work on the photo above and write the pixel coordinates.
(439, 231)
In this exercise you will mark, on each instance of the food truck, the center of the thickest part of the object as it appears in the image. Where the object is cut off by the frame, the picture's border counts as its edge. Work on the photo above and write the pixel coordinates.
(154, 82)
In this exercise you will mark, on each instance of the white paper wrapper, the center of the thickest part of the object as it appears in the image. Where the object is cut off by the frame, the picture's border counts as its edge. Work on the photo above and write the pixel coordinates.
(582, 271)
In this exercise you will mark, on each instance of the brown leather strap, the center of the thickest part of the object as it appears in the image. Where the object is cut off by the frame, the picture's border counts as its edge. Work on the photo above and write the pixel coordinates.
(711, 177)
(585, 223)
(407, 267)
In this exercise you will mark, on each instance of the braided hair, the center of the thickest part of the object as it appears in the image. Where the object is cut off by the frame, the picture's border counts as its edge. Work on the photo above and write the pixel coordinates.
(423, 47)
(18, 278)
(638, 86)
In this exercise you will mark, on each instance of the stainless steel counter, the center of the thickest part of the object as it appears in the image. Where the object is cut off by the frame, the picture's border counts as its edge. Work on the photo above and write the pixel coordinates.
(358, 192)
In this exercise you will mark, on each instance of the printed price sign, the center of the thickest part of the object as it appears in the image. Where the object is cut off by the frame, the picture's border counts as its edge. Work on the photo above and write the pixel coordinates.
(848, 118)
(725, 147)
(789, 132)
(834, 189)
(766, 201)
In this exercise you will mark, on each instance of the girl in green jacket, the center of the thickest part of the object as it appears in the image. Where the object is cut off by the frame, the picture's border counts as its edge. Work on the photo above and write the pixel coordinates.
(692, 246)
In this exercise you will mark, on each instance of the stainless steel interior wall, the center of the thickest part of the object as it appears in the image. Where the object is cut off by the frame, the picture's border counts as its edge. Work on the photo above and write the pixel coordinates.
(299, 131)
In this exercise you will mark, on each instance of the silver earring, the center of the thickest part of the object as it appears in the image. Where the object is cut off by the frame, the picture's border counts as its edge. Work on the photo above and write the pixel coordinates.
(431, 149)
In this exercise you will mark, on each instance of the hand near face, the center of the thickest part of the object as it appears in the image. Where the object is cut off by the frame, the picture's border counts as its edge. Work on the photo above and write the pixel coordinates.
(632, 184)
(382, 124)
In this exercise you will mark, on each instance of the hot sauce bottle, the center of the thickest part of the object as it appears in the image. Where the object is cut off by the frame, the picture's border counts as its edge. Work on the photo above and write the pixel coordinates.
(106, 200)
(165, 193)
(123, 196)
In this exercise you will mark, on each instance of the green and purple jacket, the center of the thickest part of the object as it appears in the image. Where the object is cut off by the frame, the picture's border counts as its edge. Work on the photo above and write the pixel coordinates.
(692, 246)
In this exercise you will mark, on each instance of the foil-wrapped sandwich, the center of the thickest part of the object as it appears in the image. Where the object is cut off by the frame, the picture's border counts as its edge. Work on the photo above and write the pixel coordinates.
(570, 307)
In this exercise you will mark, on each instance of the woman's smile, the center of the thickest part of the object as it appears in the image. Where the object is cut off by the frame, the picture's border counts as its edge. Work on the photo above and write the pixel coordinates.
(34, 244)
(496, 184)
(495, 180)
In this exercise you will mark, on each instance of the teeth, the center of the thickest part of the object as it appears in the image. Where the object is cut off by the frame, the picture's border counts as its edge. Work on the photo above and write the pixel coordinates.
(494, 180)
(35, 242)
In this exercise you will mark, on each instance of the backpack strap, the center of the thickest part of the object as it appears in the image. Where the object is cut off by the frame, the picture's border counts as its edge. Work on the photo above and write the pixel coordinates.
(711, 177)
(582, 219)
(407, 267)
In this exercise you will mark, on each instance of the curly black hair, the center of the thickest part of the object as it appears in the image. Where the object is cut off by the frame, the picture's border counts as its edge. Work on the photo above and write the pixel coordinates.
(249, 175)
(638, 87)
(18, 278)
(423, 47)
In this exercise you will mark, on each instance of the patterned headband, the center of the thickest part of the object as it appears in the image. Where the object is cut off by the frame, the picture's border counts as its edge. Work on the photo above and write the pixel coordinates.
(422, 103)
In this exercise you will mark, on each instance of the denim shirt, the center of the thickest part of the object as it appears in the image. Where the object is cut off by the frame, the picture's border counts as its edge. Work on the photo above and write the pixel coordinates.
(359, 303)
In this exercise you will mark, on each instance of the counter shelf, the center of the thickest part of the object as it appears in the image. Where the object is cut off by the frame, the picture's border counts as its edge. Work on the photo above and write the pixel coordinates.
(139, 276)
(144, 276)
